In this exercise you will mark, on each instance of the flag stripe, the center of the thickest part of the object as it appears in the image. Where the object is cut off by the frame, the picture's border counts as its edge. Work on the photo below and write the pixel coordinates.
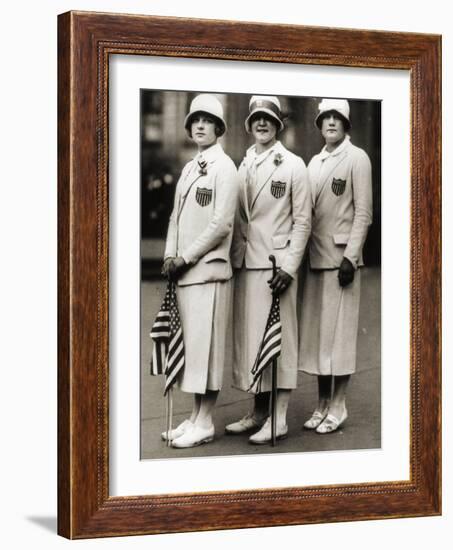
(271, 335)
(271, 344)
(270, 352)
(162, 317)
(156, 335)
(166, 332)
(171, 379)
(160, 328)
(160, 324)
(275, 336)
(276, 339)
(175, 362)
(172, 373)
(158, 359)
(176, 349)
(174, 343)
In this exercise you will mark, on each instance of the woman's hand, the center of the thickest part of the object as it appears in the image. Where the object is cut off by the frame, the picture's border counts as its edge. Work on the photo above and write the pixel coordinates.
(345, 273)
(280, 282)
(168, 268)
(173, 268)
(179, 267)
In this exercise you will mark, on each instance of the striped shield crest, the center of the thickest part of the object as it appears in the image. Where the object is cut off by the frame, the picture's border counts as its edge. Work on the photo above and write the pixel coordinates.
(278, 189)
(203, 196)
(338, 186)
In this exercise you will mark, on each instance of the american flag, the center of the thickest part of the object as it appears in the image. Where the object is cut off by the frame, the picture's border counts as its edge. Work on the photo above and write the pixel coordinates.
(168, 351)
(271, 345)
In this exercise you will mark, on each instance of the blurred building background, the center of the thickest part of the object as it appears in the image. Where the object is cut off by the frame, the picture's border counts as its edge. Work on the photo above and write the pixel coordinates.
(165, 149)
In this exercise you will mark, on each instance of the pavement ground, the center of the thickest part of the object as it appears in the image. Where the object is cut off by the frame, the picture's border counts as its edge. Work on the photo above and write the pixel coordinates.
(362, 430)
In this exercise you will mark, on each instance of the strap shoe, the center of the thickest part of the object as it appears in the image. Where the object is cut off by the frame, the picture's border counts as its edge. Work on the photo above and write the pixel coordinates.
(264, 436)
(193, 437)
(332, 423)
(185, 425)
(246, 424)
(316, 418)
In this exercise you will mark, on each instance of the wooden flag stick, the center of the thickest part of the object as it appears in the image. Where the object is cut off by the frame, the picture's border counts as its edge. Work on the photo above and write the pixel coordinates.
(166, 420)
(274, 399)
(170, 415)
(274, 376)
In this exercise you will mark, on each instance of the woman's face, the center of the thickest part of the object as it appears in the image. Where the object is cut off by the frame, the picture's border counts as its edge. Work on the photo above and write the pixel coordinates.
(263, 127)
(203, 131)
(332, 128)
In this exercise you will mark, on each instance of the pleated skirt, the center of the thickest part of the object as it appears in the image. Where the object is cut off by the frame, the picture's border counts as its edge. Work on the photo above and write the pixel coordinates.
(252, 303)
(205, 312)
(329, 320)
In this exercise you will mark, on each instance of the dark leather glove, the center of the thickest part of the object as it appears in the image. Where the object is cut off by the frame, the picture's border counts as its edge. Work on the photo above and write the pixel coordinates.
(179, 267)
(168, 268)
(280, 282)
(346, 273)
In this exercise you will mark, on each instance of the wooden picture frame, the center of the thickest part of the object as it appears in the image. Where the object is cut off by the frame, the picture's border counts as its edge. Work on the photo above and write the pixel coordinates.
(85, 508)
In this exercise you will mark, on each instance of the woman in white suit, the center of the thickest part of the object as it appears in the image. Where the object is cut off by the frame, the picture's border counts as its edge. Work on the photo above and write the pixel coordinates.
(273, 217)
(197, 256)
(340, 178)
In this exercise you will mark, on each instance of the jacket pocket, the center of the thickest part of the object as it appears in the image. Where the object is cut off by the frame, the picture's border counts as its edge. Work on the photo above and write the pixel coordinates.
(341, 238)
(215, 256)
(211, 260)
(280, 241)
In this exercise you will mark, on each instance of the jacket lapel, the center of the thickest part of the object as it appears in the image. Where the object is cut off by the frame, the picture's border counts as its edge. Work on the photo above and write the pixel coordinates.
(244, 201)
(313, 187)
(268, 168)
(192, 176)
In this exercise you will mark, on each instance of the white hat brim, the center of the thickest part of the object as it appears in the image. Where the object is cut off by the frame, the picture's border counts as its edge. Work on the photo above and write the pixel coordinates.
(262, 110)
(191, 115)
(323, 113)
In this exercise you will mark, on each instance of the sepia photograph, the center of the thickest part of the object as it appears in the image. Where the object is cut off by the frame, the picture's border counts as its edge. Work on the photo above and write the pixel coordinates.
(249, 283)
(260, 292)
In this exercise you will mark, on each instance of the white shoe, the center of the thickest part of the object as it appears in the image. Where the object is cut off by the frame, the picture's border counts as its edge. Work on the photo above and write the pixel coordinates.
(332, 423)
(264, 436)
(183, 427)
(193, 437)
(246, 424)
(316, 418)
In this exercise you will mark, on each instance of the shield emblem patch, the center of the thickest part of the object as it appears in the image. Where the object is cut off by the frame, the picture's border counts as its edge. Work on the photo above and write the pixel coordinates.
(278, 189)
(203, 196)
(338, 186)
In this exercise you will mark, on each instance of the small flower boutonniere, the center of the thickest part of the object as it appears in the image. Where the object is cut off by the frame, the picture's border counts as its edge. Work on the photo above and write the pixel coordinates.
(202, 170)
(278, 159)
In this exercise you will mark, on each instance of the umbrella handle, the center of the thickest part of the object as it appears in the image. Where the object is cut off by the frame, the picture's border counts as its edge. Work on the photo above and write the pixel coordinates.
(274, 265)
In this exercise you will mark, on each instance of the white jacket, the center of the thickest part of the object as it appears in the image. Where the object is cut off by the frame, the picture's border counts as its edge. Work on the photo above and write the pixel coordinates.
(278, 220)
(201, 224)
(342, 206)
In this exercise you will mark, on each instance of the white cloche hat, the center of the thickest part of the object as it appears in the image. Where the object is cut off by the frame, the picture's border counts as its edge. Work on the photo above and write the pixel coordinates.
(268, 104)
(209, 104)
(339, 106)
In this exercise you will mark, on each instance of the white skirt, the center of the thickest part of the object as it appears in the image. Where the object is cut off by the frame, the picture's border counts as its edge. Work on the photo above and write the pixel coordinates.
(252, 303)
(329, 324)
(205, 312)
